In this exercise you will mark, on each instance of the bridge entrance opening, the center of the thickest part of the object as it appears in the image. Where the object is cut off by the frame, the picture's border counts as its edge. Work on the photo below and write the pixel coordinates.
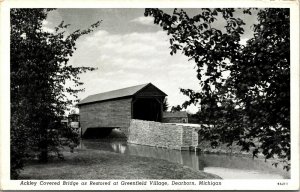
(148, 109)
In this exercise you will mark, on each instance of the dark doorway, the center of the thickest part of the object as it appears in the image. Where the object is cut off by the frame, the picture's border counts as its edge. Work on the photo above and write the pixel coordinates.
(147, 109)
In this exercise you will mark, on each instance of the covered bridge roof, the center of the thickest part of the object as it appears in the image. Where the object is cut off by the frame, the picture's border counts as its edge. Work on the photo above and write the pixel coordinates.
(119, 93)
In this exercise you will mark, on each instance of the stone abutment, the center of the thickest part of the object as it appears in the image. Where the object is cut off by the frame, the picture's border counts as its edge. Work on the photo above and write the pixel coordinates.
(165, 135)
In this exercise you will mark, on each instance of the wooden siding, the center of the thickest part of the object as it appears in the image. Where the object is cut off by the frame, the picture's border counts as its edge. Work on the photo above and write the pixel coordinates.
(150, 91)
(114, 113)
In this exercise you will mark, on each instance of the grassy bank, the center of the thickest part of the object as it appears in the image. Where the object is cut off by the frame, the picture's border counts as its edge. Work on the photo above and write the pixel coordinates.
(95, 164)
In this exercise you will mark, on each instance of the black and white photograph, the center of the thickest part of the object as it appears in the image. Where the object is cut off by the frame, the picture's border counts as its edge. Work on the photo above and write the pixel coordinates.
(175, 97)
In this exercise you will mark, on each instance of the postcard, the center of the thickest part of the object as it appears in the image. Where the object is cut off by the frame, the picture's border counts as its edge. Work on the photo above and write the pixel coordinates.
(148, 95)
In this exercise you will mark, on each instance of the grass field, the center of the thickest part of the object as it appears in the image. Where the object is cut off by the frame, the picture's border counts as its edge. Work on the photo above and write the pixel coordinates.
(96, 164)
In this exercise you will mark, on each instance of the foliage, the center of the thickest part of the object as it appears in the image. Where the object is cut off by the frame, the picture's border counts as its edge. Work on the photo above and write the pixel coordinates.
(70, 137)
(165, 105)
(176, 108)
(245, 89)
(39, 96)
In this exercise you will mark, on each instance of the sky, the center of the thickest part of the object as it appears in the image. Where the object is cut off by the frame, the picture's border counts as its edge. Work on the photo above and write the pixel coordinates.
(129, 49)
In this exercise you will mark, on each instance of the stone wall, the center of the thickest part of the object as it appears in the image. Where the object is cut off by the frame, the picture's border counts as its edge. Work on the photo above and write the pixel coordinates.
(163, 135)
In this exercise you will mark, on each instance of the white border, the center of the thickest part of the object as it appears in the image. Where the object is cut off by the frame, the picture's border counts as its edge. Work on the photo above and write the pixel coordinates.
(5, 5)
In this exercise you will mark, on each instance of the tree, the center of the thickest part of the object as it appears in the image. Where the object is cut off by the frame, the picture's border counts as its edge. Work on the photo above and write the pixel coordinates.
(165, 105)
(251, 104)
(176, 108)
(39, 96)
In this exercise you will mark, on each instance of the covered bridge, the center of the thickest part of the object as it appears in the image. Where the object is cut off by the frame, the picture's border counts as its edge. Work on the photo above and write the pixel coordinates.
(115, 109)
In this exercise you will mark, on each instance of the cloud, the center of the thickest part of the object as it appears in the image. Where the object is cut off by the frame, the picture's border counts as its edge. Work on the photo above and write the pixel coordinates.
(130, 59)
(46, 26)
(45, 22)
(243, 41)
(143, 20)
(47, 29)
